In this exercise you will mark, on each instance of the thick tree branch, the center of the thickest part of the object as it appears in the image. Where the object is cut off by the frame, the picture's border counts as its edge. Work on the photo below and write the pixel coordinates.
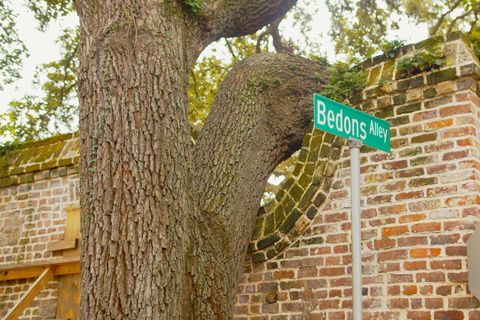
(258, 119)
(231, 18)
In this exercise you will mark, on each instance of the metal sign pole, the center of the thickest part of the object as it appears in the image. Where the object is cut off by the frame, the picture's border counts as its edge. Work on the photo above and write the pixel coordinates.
(354, 146)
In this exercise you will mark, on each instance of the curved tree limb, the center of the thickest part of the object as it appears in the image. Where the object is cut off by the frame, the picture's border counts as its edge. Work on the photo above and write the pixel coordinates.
(231, 18)
(258, 119)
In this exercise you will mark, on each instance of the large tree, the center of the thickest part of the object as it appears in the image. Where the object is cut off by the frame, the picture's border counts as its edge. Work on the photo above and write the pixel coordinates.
(166, 223)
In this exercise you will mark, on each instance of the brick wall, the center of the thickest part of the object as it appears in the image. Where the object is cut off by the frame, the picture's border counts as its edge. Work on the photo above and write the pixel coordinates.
(39, 184)
(419, 206)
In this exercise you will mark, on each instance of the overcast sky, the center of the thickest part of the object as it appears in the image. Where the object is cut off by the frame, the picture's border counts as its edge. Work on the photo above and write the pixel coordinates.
(42, 48)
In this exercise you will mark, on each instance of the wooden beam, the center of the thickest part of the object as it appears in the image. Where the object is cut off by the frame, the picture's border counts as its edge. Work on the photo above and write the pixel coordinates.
(32, 292)
(62, 245)
(35, 269)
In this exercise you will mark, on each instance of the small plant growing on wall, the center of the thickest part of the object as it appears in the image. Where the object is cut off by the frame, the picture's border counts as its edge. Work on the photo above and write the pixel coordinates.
(429, 58)
(345, 81)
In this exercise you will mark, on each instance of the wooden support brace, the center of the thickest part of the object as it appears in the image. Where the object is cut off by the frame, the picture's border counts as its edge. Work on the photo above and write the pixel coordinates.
(62, 245)
(32, 292)
(34, 269)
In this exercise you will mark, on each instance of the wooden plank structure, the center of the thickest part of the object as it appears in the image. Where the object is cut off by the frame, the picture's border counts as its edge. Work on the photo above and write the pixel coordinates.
(68, 268)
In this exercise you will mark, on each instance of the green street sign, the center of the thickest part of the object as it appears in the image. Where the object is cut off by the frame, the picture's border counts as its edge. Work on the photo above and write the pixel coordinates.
(336, 118)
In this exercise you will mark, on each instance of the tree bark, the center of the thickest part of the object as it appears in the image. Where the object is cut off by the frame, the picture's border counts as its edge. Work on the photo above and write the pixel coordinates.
(165, 226)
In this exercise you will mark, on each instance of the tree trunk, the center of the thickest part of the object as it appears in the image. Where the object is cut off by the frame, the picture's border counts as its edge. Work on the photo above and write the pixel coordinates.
(165, 226)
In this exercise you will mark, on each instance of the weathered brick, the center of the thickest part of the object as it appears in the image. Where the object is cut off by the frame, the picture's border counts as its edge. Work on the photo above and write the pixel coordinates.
(463, 303)
(412, 218)
(412, 241)
(427, 227)
(409, 195)
(448, 315)
(446, 264)
(425, 252)
(394, 231)
(430, 277)
(415, 265)
(418, 315)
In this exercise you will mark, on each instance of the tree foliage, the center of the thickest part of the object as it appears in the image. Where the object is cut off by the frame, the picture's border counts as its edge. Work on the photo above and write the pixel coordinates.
(361, 27)
(12, 48)
(33, 116)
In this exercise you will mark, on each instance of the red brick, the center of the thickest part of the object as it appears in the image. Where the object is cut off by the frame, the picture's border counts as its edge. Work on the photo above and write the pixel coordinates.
(465, 142)
(383, 243)
(440, 168)
(425, 252)
(440, 191)
(337, 238)
(439, 146)
(379, 199)
(394, 231)
(427, 227)
(335, 217)
(329, 304)
(392, 255)
(409, 195)
(458, 277)
(463, 303)
(462, 200)
(315, 283)
(400, 278)
(412, 241)
(430, 277)
(424, 205)
(458, 132)
(320, 250)
(335, 293)
(444, 239)
(456, 251)
(412, 218)
(336, 315)
(419, 182)
(475, 212)
(283, 274)
(341, 282)
(424, 115)
(399, 164)
(393, 186)
(459, 225)
(410, 290)
(307, 273)
(453, 110)
(433, 303)
(399, 303)
(292, 306)
(410, 173)
(393, 209)
(415, 265)
(389, 267)
(340, 249)
(419, 315)
(339, 195)
(435, 125)
(455, 155)
(448, 315)
(393, 290)
(426, 290)
(337, 271)
(332, 260)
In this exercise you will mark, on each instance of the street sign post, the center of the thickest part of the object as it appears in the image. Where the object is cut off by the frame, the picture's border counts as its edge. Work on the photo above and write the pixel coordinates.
(359, 128)
(343, 121)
